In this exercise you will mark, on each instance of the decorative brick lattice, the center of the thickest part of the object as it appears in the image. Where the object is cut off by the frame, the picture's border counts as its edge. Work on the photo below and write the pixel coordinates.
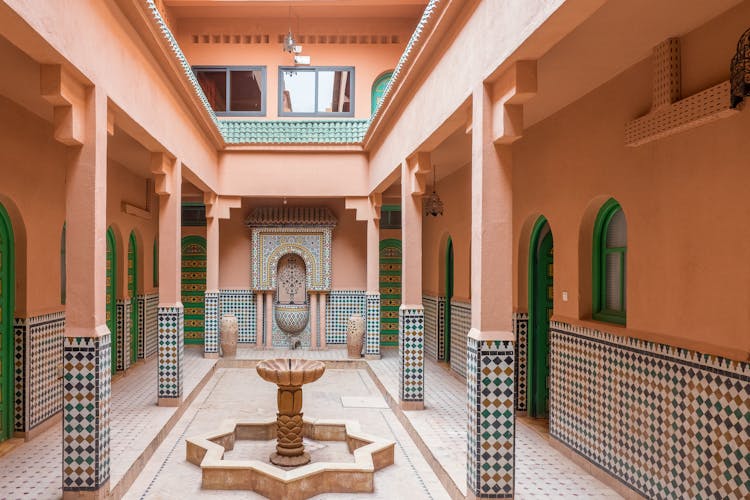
(241, 303)
(86, 412)
(372, 341)
(460, 326)
(123, 334)
(411, 353)
(342, 304)
(152, 325)
(171, 351)
(668, 422)
(431, 330)
(521, 330)
(211, 323)
(491, 434)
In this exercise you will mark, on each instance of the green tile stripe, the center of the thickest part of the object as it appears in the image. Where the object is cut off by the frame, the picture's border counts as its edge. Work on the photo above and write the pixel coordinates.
(293, 131)
(194, 276)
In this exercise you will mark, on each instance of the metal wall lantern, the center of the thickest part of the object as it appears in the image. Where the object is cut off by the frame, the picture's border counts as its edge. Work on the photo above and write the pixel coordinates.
(433, 205)
(740, 71)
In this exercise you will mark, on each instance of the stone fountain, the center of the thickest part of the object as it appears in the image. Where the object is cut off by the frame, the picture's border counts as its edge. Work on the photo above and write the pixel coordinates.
(290, 375)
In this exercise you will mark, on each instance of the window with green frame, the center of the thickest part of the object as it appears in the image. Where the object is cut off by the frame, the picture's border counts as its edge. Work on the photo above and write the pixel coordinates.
(609, 264)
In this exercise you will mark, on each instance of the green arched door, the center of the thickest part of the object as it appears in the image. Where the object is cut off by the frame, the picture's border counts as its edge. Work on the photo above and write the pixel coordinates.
(541, 274)
(111, 294)
(133, 293)
(390, 291)
(194, 286)
(7, 280)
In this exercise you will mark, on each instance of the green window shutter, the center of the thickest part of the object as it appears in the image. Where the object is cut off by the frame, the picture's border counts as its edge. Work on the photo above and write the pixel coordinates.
(378, 89)
(609, 264)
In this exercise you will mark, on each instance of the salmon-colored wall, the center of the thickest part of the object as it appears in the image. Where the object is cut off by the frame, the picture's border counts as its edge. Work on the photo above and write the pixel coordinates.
(455, 191)
(348, 246)
(684, 198)
(369, 60)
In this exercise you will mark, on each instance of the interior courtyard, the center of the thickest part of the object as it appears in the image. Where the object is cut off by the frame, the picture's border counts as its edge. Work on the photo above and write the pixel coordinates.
(498, 245)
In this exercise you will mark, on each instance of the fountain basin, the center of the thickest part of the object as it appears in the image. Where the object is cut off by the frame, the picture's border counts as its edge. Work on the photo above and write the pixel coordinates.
(292, 318)
(290, 372)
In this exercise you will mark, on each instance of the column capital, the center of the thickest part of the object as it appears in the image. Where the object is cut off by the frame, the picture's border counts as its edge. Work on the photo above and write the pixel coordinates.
(163, 167)
(67, 95)
(416, 168)
(218, 207)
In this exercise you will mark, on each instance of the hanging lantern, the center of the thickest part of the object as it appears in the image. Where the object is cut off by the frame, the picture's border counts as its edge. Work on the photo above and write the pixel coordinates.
(740, 71)
(433, 205)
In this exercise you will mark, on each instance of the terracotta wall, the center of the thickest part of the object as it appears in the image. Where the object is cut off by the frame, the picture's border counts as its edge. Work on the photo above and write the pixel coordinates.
(369, 60)
(684, 198)
(348, 245)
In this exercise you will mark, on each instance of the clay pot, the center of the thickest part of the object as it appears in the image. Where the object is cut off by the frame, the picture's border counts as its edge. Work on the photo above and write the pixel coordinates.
(228, 333)
(355, 335)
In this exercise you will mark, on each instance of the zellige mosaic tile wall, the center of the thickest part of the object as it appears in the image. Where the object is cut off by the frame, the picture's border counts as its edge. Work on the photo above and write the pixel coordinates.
(460, 326)
(241, 303)
(667, 422)
(521, 328)
(340, 305)
(430, 327)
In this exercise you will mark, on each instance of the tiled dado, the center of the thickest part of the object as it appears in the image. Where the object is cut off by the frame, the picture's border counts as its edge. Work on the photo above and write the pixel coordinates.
(211, 323)
(171, 352)
(151, 324)
(86, 412)
(240, 303)
(372, 339)
(434, 323)
(37, 353)
(411, 353)
(340, 305)
(667, 422)
(441, 328)
(491, 436)
(460, 326)
(521, 329)
(123, 334)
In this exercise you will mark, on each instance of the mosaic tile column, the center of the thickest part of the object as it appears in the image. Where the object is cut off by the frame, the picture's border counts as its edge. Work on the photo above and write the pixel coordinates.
(211, 325)
(86, 404)
(123, 334)
(171, 352)
(521, 328)
(372, 337)
(491, 434)
(411, 357)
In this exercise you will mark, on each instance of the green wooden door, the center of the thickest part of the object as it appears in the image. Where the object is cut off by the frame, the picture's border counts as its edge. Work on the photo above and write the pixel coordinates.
(133, 293)
(6, 324)
(111, 294)
(448, 297)
(541, 312)
(390, 291)
(193, 286)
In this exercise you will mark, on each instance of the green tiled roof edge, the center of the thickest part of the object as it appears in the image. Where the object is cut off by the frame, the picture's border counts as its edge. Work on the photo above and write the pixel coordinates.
(293, 131)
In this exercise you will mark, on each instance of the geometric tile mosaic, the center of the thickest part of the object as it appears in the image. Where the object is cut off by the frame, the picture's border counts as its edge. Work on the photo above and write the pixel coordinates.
(86, 412)
(240, 303)
(152, 326)
(123, 307)
(141, 301)
(667, 422)
(171, 351)
(460, 326)
(491, 431)
(411, 353)
(441, 328)
(342, 304)
(431, 328)
(372, 342)
(520, 329)
(211, 322)
(20, 423)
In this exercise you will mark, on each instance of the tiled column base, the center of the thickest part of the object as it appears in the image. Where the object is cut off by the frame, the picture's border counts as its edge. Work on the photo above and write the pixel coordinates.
(411, 357)
(491, 436)
(372, 344)
(171, 350)
(211, 325)
(123, 307)
(86, 402)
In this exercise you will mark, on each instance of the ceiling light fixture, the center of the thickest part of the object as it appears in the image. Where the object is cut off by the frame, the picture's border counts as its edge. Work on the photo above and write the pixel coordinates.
(433, 205)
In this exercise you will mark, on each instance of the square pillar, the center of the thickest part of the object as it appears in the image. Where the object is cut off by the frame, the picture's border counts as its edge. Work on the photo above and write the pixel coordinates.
(86, 345)
(372, 335)
(211, 296)
(322, 312)
(171, 314)
(491, 433)
(122, 326)
(314, 323)
(268, 341)
(372, 297)
(211, 325)
(411, 357)
(258, 319)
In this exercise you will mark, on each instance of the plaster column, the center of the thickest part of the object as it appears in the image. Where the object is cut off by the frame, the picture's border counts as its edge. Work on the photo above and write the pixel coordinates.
(322, 312)
(258, 319)
(171, 315)
(314, 323)
(372, 298)
(491, 345)
(268, 342)
(411, 312)
(211, 310)
(87, 342)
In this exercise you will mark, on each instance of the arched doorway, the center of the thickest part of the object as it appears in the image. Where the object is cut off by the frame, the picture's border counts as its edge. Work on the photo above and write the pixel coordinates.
(194, 287)
(133, 293)
(541, 273)
(378, 89)
(448, 298)
(111, 292)
(390, 291)
(7, 306)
